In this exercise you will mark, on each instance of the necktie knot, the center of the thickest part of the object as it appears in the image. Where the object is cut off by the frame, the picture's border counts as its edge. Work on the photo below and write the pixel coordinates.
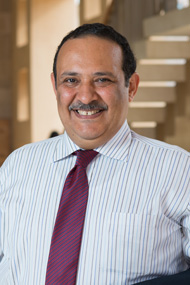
(84, 157)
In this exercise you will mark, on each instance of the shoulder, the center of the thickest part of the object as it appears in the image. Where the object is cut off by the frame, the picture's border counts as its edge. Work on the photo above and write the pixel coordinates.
(31, 154)
(158, 145)
(38, 148)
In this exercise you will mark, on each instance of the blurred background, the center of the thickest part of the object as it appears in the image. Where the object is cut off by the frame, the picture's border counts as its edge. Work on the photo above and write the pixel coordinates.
(30, 31)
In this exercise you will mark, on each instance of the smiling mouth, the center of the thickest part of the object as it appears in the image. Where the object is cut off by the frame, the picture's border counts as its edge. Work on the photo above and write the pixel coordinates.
(88, 112)
(91, 110)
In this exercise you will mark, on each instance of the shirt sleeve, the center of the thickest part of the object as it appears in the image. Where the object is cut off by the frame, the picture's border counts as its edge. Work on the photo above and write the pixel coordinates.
(1, 251)
(5, 172)
(186, 234)
(4, 178)
(1, 191)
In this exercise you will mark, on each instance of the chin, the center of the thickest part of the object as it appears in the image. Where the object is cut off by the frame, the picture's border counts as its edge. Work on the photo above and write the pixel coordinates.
(89, 133)
(88, 137)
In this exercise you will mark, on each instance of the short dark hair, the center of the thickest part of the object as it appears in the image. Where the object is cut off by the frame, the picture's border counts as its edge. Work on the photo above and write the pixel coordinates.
(105, 32)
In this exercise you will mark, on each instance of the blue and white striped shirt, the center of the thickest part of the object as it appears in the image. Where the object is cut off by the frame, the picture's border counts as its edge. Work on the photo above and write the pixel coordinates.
(137, 224)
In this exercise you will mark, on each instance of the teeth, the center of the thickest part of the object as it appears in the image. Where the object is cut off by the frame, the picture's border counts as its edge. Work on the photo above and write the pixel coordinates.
(87, 113)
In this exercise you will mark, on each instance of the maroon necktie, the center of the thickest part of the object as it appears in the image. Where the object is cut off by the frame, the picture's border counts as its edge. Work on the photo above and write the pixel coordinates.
(67, 234)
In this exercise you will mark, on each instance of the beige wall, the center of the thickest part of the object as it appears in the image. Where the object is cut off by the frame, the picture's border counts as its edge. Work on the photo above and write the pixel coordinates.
(50, 21)
(39, 26)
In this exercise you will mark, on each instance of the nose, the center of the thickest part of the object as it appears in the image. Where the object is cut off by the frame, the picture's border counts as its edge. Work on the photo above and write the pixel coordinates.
(86, 92)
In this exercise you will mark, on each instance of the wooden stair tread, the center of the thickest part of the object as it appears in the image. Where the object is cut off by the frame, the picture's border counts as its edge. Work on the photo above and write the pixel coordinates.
(162, 49)
(166, 94)
(175, 22)
(136, 114)
(161, 72)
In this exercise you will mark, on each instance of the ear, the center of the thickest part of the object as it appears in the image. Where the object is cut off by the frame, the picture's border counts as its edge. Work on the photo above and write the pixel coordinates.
(133, 86)
(53, 83)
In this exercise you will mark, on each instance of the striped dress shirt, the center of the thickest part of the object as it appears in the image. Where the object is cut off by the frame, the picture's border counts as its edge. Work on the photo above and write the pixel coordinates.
(137, 224)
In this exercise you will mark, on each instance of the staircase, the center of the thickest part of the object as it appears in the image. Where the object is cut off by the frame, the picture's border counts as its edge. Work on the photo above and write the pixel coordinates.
(161, 108)
(164, 68)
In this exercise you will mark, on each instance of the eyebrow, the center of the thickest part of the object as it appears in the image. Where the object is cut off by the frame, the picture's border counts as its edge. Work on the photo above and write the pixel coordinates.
(99, 73)
(70, 73)
(104, 73)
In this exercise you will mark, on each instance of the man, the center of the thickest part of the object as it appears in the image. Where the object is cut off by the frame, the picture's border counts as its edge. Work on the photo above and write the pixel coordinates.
(137, 218)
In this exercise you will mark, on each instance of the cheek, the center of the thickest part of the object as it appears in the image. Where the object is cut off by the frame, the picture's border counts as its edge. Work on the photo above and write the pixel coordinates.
(64, 97)
(109, 95)
(116, 99)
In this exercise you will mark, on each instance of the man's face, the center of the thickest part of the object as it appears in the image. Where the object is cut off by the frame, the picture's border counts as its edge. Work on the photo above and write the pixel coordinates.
(91, 93)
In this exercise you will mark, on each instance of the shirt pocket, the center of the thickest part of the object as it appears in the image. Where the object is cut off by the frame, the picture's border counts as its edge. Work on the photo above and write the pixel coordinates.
(135, 244)
(4, 271)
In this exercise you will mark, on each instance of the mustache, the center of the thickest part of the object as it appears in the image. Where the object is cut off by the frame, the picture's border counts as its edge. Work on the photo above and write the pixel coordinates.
(94, 105)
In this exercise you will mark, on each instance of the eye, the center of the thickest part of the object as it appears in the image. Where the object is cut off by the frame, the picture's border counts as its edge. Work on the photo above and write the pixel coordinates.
(70, 81)
(103, 81)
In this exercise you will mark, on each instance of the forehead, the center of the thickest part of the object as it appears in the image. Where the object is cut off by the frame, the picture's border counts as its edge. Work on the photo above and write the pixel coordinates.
(90, 47)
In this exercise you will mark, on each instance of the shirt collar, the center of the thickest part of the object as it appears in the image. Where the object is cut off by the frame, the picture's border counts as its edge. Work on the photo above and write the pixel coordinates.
(64, 148)
(117, 147)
